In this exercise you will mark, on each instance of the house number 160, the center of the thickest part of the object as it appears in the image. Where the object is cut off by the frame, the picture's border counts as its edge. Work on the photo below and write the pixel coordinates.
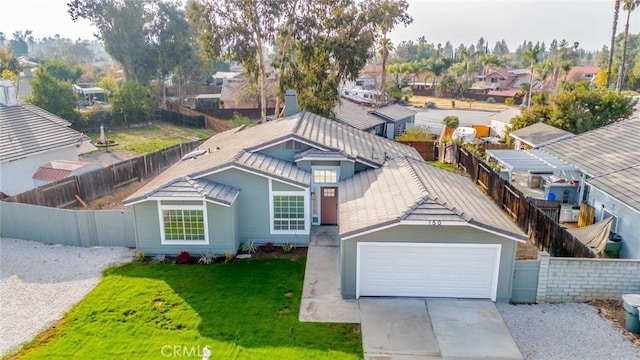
(435, 222)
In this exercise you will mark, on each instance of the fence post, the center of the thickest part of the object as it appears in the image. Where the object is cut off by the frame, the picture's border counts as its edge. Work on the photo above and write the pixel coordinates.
(543, 277)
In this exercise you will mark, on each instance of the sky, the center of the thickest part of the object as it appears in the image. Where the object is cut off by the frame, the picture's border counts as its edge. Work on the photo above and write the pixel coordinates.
(459, 21)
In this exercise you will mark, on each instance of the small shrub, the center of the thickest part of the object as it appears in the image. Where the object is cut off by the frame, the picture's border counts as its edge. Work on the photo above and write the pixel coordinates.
(287, 247)
(159, 259)
(139, 256)
(451, 121)
(183, 258)
(268, 247)
(206, 259)
(509, 101)
(491, 100)
(416, 133)
(249, 247)
(453, 104)
(430, 105)
(228, 257)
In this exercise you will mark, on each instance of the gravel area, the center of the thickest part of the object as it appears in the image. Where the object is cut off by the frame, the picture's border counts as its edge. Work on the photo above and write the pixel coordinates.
(564, 332)
(107, 158)
(39, 283)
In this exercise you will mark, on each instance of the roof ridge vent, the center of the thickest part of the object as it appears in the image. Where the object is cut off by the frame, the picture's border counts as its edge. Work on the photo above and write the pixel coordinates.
(192, 155)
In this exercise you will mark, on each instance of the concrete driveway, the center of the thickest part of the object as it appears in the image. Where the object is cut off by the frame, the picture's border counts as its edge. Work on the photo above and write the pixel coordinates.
(399, 329)
(434, 329)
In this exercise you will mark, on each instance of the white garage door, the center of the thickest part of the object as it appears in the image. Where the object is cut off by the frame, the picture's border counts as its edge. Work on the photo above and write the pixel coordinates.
(428, 270)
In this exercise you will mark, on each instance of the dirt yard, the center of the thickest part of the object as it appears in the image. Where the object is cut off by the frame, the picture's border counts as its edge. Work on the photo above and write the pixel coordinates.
(526, 251)
(113, 201)
(445, 103)
(613, 311)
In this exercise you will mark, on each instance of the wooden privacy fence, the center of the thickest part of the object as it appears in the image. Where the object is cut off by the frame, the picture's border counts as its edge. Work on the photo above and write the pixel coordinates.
(537, 218)
(95, 184)
(176, 118)
(426, 149)
(68, 227)
(211, 122)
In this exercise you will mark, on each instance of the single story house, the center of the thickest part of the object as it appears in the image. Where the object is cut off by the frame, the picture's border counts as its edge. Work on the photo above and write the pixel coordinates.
(537, 135)
(60, 169)
(397, 119)
(359, 117)
(406, 228)
(609, 159)
(29, 138)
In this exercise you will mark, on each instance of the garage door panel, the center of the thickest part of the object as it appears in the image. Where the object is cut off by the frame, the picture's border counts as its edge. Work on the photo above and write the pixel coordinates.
(428, 270)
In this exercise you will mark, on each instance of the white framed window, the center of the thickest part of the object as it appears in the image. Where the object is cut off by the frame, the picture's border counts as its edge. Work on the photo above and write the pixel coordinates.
(183, 224)
(325, 176)
(288, 212)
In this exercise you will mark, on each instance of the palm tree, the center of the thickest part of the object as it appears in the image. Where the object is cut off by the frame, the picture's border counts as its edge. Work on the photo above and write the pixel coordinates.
(616, 10)
(386, 47)
(532, 55)
(628, 6)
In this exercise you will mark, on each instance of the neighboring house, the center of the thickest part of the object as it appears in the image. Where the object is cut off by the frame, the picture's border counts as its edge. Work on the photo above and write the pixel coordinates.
(406, 227)
(388, 121)
(397, 119)
(582, 73)
(538, 135)
(609, 159)
(60, 169)
(29, 138)
(358, 116)
(501, 122)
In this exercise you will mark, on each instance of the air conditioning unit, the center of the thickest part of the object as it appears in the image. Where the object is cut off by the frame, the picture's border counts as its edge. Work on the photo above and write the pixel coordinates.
(569, 215)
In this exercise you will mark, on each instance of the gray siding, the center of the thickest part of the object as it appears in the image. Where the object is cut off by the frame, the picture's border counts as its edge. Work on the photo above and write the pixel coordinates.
(222, 234)
(628, 221)
(253, 207)
(68, 227)
(431, 234)
(346, 169)
(281, 152)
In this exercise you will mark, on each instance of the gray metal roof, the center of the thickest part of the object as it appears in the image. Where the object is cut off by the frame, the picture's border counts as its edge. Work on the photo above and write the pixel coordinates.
(233, 148)
(540, 134)
(187, 188)
(531, 160)
(271, 166)
(27, 129)
(358, 144)
(506, 115)
(321, 154)
(622, 185)
(412, 190)
(393, 112)
(603, 150)
(356, 115)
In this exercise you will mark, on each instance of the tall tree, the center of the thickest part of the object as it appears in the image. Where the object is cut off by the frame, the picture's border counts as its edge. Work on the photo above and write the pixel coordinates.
(385, 15)
(532, 55)
(133, 31)
(9, 62)
(616, 11)
(240, 30)
(54, 95)
(628, 6)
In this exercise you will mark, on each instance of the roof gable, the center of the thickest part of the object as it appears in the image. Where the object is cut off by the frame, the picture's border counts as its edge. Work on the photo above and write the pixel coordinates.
(412, 190)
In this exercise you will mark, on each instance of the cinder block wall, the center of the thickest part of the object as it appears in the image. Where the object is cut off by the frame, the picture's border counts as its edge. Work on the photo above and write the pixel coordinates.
(580, 279)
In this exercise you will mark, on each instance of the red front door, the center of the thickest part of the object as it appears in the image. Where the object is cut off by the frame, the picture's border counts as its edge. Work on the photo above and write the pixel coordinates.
(329, 205)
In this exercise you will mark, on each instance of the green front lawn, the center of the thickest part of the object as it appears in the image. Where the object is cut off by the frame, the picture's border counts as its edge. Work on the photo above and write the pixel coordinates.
(244, 310)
